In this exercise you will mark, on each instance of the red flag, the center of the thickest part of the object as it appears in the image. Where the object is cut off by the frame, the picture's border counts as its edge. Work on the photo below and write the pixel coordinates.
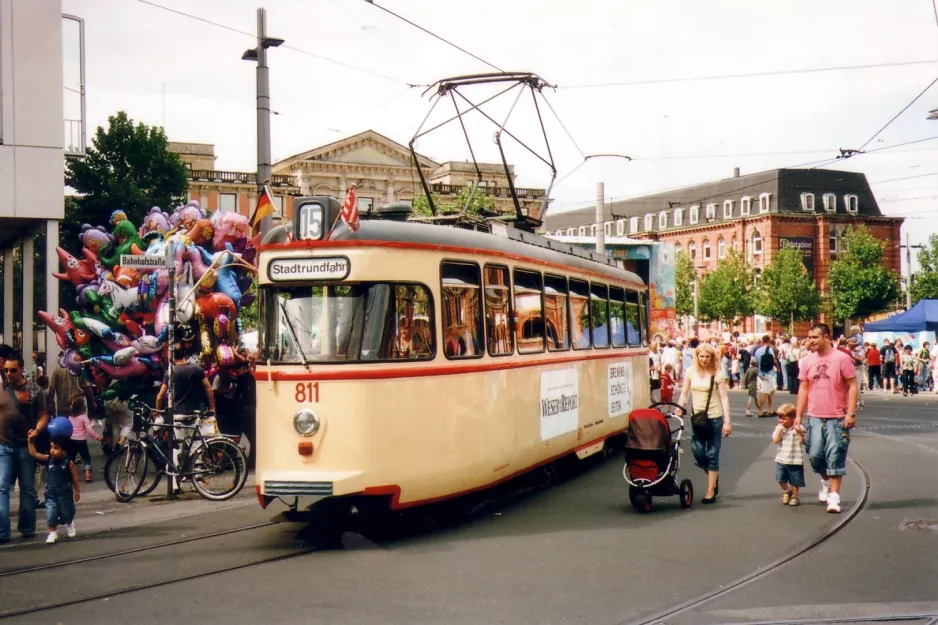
(349, 212)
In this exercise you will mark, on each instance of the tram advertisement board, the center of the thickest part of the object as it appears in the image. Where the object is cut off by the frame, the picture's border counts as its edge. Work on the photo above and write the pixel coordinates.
(620, 388)
(560, 403)
(662, 312)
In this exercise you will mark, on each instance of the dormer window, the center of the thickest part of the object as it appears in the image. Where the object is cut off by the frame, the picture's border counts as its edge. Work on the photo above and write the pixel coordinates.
(662, 220)
(745, 206)
(620, 227)
(679, 217)
(633, 225)
(765, 202)
(649, 222)
(807, 202)
(728, 209)
(711, 211)
(830, 202)
(694, 214)
(853, 204)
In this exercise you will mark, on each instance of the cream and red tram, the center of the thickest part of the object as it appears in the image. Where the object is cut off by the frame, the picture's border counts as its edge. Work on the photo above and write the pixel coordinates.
(418, 362)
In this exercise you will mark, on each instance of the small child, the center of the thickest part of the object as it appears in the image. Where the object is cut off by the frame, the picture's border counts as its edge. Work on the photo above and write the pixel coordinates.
(62, 490)
(751, 383)
(667, 383)
(81, 430)
(789, 461)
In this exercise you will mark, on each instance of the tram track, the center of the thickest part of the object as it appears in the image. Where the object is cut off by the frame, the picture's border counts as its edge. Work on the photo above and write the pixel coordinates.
(660, 617)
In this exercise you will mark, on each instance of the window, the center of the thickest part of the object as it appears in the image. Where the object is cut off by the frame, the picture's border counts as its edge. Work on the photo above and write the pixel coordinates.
(679, 217)
(853, 203)
(620, 227)
(745, 206)
(830, 202)
(807, 202)
(607, 229)
(643, 317)
(617, 316)
(649, 222)
(706, 249)
(633, 225)
(498, 311)
(662, 220)
(593, 231)
(529, 312)
(694, 214)
(227, 203)
(711, 211)
(462, 310)
(728, 209)
(833, 242)
(555, 305)
(678, 249)
(366, 322)
(599, 314)
(365, 204)
(734, 244)
(570, 232)
(765, 202)
(579, 314)
(633, 325)
(721, 248)
(581, 231)
(278, 206)
(692, 250)
(756, 242)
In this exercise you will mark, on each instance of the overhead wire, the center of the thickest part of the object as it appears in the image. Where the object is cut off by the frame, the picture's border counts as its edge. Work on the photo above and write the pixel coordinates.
(896, 116)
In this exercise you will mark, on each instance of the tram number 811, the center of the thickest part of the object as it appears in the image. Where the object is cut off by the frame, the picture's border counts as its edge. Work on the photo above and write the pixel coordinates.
(307, 392)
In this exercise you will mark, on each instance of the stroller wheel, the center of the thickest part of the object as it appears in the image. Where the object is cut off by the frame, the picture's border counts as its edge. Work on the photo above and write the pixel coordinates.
(687, 494)
(646, 503)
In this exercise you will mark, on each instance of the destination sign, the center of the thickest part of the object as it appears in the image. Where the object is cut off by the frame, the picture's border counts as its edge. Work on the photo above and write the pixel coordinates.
(130, 261)
(324, 268)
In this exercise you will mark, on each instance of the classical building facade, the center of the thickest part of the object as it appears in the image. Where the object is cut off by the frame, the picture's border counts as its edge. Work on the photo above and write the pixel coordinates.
(756, 215)
(381, 169)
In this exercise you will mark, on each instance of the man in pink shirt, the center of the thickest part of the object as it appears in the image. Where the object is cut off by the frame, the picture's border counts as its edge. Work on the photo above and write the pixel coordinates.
(828, 398)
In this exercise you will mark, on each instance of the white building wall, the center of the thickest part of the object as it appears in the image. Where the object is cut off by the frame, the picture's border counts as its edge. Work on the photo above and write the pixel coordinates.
(31, 109)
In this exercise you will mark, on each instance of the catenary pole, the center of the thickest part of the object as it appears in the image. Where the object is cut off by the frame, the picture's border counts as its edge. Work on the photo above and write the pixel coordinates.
(600, 218)
(263, 112)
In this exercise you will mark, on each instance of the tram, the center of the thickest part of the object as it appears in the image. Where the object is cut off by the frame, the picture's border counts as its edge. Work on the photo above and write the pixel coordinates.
(407, 363)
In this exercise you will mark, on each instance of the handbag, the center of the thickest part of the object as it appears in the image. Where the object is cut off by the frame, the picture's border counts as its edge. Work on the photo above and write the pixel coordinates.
(699, 420)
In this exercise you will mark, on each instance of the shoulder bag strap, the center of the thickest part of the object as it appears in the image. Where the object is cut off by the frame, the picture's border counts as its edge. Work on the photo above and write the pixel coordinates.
(709, 394)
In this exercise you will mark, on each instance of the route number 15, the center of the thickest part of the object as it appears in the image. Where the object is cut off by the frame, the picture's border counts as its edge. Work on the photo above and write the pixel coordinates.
(307, 392)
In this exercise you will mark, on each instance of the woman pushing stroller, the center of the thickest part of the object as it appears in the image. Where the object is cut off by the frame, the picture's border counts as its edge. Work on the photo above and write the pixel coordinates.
(707, 387)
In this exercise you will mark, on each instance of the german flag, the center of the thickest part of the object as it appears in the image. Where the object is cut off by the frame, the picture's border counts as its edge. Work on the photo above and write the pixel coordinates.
(265, 208)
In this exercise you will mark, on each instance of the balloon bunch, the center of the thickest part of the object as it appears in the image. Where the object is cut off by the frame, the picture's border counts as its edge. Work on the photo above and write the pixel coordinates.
(119, 327)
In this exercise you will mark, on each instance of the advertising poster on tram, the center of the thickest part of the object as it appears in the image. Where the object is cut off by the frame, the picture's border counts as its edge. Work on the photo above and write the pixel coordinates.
(560, 403)
(620, 388)
(662, 313)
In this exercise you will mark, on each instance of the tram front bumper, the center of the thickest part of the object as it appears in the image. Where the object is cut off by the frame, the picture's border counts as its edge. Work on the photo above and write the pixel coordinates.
(310, 483)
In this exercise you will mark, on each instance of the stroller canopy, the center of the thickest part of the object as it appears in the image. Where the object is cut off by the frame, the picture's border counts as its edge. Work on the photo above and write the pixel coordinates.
(648, 430)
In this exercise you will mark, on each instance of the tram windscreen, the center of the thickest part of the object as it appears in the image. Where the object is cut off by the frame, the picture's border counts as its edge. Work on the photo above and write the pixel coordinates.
(343, 323)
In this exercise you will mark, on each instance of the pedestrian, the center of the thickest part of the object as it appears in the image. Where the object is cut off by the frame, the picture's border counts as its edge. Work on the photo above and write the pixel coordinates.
(726, 366)
(889, 357)
(654, 371)
(735, 373)
(874, 365)
(858, 353)
(789, 461)
(827, 402)
(81, 430)
(225, 389)
(924, 360)
(62, 488)
(667, 383)
(751, 384)
(63, 386)
(766, 357)
(909, 364)
(247, 407)
(191, 388)
(699, 385)
(22, 411)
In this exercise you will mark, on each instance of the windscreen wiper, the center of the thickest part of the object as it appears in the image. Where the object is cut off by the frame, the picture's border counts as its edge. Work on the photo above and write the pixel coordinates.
(296, 341)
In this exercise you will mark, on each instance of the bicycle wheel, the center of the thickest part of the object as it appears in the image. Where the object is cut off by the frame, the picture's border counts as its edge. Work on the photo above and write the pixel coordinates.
(219, 469)
(154, 473)
(131, 472)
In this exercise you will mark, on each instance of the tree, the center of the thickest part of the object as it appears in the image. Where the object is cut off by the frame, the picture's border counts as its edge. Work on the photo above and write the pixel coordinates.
(480, 204)
(860, 283)
(248, 314)
(785, 291)
(724, 293)
(684, 277)
(925, 281)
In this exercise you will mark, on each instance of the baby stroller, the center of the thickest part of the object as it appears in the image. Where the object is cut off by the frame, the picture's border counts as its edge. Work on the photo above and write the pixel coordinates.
(653, 456)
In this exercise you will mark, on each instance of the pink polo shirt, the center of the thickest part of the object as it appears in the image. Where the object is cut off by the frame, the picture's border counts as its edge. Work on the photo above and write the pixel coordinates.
(827, 378)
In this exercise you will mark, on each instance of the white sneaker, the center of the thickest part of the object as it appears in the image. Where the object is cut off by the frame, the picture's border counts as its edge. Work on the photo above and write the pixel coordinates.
(824, 492)
(70, 529)
(53, 536)
(833, 502)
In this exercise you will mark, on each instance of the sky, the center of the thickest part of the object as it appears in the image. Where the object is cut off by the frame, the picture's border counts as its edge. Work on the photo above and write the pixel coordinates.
(647, 79)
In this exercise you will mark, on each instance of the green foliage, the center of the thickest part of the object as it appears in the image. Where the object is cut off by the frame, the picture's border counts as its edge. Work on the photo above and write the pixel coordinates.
(39, 281)
(480, 204)
(785, 291)
(684, 276)
(860, 283)
(248, 314)
(725, 292)
(925, 281)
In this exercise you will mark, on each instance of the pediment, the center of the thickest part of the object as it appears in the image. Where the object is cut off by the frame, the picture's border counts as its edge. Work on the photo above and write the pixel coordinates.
(369, 154)
(366, 148)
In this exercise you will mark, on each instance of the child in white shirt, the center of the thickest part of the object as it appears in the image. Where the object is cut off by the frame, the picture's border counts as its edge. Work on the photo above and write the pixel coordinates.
(789, 461)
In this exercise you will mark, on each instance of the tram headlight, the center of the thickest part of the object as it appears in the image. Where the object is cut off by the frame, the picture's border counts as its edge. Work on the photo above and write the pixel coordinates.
(306, 422)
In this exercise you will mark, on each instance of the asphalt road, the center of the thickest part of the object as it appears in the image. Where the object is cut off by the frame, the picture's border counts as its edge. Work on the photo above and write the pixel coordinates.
(573, 553)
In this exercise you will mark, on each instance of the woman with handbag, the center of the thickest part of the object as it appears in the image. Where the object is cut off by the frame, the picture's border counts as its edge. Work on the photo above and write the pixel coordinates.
(710, 419)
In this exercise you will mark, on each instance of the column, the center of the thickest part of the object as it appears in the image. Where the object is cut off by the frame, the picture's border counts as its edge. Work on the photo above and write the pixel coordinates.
(390, 191)
(52, 293)
(8, 295)
(29, 314)
(343, 187)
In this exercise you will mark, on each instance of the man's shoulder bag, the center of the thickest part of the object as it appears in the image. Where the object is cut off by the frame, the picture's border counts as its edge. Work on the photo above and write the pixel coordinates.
(699, 420)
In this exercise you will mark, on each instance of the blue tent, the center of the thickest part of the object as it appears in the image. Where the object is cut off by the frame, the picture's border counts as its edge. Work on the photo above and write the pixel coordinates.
(920, 318)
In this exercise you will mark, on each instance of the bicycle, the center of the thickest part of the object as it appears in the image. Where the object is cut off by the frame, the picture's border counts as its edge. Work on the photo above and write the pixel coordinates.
(201, 462)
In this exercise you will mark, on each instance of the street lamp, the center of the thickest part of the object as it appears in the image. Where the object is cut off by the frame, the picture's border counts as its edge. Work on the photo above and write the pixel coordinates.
(259, 54)
(932, 114)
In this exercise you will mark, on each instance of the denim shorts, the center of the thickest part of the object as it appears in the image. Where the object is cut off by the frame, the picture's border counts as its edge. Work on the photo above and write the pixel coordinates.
(827, 442)
(789, 474)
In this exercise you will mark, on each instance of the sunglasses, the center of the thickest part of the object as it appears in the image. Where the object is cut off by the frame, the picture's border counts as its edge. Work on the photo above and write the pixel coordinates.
(10, 370)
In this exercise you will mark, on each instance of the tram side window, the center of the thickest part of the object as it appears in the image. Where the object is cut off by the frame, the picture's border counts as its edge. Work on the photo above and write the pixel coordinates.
(529, 312)
(498, 311)
(599, 314)
(643, 311)
(633, 324)
(555, 305)
(617, 316)
(463, 336)
(580, 314)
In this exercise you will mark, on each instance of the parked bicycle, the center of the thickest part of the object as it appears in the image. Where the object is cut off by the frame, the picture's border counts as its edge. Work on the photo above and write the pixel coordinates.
(215, 466)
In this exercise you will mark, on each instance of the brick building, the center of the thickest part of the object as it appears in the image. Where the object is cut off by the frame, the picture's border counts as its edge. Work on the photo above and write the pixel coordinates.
(755, 215)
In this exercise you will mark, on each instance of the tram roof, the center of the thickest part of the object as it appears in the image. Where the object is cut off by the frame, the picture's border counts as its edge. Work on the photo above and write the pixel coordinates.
(513, 241)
